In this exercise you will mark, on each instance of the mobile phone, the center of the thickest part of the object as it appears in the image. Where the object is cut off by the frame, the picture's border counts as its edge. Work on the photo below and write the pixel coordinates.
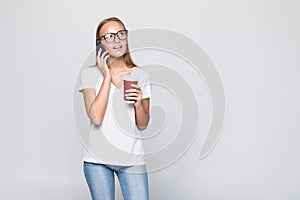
(98, 47)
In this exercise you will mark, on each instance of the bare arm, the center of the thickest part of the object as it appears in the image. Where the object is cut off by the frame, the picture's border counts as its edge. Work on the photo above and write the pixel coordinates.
(142, 115)
(95, 105)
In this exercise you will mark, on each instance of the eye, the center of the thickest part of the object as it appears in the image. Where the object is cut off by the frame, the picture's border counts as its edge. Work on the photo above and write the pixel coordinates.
(121, 33)
(108, 36)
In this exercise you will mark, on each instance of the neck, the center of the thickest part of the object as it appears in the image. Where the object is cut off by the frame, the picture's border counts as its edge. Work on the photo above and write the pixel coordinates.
(117, 64)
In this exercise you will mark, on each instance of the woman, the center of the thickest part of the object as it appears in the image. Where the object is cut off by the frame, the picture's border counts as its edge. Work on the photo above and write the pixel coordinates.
(110, 149)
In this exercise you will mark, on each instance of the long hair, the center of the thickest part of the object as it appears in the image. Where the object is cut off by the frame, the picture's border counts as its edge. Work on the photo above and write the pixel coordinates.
(127, 58)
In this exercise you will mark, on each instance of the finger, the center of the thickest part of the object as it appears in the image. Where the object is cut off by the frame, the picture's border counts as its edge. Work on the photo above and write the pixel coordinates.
(106, 57)
(99, 53)
(133, 90)
(131, 95)
(131, 98)
(135, 86)
(130, 101)
(105, 53)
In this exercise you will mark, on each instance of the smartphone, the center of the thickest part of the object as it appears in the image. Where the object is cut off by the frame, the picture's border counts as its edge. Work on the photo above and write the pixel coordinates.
(100, 46)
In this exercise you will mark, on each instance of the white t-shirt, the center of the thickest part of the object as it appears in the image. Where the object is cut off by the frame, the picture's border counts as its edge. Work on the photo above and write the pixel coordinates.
(116, 141)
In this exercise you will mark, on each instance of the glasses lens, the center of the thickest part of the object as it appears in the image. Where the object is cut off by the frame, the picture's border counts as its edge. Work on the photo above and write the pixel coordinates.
(122, 35)
(109, 37)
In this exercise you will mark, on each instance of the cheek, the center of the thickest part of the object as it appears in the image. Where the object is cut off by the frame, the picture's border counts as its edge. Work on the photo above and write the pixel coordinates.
(107, 46)
(125, 46)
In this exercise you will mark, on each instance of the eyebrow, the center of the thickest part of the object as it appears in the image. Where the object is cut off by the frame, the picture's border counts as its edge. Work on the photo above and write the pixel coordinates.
(112, 32)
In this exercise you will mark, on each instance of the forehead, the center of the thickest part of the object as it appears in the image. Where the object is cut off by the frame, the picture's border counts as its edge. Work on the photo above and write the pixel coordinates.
(111, 27)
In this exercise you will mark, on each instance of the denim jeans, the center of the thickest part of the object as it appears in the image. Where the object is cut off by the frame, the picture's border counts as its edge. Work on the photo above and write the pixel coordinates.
(101, 181)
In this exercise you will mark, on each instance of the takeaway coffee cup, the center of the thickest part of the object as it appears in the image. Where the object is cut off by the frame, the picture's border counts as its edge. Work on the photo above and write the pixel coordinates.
(127, 86)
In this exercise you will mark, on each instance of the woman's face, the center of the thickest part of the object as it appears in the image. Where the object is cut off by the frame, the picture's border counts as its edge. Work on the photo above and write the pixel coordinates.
(118, 47)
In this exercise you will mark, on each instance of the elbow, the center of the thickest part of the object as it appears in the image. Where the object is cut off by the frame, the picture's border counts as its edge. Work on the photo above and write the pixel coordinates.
(141, 128)
(97, 122)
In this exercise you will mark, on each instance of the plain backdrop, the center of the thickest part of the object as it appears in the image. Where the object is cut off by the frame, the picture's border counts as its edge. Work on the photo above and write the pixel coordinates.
(254, 45)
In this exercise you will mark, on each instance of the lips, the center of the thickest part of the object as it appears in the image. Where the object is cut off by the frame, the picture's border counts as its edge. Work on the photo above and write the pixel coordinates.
(117, 47)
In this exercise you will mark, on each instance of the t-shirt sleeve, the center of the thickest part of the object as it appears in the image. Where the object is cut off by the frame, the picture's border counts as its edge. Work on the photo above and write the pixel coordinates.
(145, 85)
(88, 79)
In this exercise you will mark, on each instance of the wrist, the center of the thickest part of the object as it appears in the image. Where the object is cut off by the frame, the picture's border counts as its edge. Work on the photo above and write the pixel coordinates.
(138, 105)
(107, 78)
(107, 81)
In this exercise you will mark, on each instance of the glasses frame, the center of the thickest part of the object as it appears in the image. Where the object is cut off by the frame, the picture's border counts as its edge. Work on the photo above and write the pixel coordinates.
(114, 34)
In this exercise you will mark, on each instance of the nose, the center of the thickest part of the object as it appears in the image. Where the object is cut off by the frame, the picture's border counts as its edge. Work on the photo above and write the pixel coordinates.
(117, 39)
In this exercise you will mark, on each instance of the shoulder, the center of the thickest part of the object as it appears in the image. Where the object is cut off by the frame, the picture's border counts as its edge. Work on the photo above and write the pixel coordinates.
(140, 72)
(90, 72)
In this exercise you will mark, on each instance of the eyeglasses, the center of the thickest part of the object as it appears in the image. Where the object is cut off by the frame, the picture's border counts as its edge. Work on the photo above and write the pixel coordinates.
(110, 37)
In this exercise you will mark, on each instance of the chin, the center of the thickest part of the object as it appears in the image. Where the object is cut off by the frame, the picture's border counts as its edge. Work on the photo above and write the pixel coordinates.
(117, 54)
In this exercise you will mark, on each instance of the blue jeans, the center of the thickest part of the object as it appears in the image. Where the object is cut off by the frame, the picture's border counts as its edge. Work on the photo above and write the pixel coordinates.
(101, 181)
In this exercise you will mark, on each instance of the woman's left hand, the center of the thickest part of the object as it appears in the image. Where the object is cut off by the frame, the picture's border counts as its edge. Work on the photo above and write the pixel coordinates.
(141, 106)
(134, 94)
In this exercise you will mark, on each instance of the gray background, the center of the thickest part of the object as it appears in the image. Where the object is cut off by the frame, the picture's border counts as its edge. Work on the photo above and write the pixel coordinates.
(254, 45)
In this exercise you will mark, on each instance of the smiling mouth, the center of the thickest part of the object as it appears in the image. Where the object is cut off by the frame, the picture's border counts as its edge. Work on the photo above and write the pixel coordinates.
(117, 47)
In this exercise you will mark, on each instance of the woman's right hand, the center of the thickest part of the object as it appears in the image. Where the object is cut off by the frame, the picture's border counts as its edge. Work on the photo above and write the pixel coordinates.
(101, 62)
